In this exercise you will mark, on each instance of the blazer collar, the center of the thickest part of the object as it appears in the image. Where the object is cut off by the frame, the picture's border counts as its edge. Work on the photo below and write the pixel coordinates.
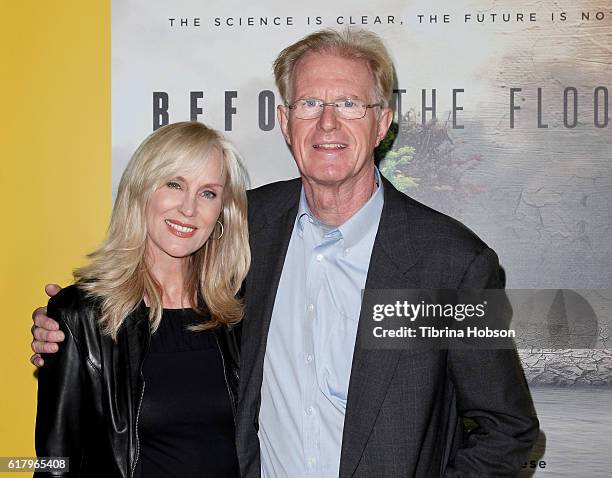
(393, 238)
(288, 200)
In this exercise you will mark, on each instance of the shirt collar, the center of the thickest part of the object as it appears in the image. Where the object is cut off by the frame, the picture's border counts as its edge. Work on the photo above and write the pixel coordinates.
(356, 227)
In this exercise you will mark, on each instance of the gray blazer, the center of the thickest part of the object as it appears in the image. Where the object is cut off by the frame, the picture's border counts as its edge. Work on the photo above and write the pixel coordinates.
(405, 410)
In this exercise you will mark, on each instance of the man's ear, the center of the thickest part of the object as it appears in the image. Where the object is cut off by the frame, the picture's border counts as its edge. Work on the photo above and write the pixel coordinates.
(282, 115)
(384, 122)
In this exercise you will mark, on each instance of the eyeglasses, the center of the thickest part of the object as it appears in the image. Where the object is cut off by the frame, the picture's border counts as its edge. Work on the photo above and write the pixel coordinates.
(347, 108)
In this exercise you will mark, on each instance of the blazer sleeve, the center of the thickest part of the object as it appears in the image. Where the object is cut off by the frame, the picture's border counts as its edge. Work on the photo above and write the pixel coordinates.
(60, 402)
(492, 391)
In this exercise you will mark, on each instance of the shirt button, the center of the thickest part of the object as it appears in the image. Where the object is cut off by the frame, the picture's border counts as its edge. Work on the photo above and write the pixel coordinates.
(308, 358)
(309, 411)
(346, 251)
(312, 461)
(310, 307)
(319, 257)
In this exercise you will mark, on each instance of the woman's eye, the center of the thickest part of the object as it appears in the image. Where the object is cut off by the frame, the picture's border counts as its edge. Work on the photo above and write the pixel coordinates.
(173, 185)
(208, 194)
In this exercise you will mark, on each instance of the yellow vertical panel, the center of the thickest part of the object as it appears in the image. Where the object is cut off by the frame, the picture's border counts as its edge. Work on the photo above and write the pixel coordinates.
(55, 176)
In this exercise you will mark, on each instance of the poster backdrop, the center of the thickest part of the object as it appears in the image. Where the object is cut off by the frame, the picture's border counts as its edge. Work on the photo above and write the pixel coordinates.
(502, 122)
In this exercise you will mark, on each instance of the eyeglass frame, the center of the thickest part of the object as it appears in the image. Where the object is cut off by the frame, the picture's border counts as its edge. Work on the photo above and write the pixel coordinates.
(293, 106)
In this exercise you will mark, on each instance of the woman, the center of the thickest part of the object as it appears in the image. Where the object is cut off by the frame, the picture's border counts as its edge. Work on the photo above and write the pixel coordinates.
(146, 382)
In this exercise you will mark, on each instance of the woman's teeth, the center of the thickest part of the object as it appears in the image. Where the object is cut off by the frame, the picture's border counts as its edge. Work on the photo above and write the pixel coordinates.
(180, 228)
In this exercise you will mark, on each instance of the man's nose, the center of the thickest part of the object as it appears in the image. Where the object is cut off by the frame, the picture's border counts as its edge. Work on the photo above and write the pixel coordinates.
(328, 121)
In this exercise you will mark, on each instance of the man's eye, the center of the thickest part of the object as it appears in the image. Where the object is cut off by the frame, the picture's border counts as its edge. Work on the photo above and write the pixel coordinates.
(348, 103)
(310, 103)
(173, 185)
(208, 194)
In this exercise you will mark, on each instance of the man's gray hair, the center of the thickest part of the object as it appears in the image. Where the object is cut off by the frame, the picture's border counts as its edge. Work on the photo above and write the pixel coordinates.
(356, 44)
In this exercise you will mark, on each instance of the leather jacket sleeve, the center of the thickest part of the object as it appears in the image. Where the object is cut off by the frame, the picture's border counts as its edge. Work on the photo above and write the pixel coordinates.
(229, 346)
(60, 384)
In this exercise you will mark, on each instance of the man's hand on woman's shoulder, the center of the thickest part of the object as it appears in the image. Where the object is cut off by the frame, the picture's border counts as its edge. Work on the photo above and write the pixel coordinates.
(45, 331)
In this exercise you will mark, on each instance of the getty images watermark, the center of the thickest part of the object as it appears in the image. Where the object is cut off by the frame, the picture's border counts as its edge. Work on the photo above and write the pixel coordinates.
(485, 319)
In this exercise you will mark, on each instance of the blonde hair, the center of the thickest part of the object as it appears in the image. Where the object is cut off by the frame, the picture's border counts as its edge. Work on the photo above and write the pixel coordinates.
(118, 275)
(358, 44)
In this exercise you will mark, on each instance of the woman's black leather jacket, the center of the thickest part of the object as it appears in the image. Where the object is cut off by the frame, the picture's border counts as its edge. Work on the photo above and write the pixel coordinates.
(90, 392)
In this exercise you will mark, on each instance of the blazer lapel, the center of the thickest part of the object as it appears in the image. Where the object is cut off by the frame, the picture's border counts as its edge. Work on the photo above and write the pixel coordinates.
(269, 240)
(269, 247)
(372, 370)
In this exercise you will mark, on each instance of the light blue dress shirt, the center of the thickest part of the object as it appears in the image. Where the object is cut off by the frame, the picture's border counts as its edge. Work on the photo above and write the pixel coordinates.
(310, 343)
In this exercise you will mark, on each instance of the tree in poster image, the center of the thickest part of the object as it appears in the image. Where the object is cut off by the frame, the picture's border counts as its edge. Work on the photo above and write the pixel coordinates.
(421, 160)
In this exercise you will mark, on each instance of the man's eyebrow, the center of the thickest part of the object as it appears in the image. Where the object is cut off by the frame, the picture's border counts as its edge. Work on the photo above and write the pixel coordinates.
(350, 95)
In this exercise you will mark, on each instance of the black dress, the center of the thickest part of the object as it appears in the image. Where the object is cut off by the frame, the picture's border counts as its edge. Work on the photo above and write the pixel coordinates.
(186, 426)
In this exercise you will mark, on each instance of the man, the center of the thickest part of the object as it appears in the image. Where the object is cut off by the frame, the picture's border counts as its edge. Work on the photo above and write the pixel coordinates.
(313, 402)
